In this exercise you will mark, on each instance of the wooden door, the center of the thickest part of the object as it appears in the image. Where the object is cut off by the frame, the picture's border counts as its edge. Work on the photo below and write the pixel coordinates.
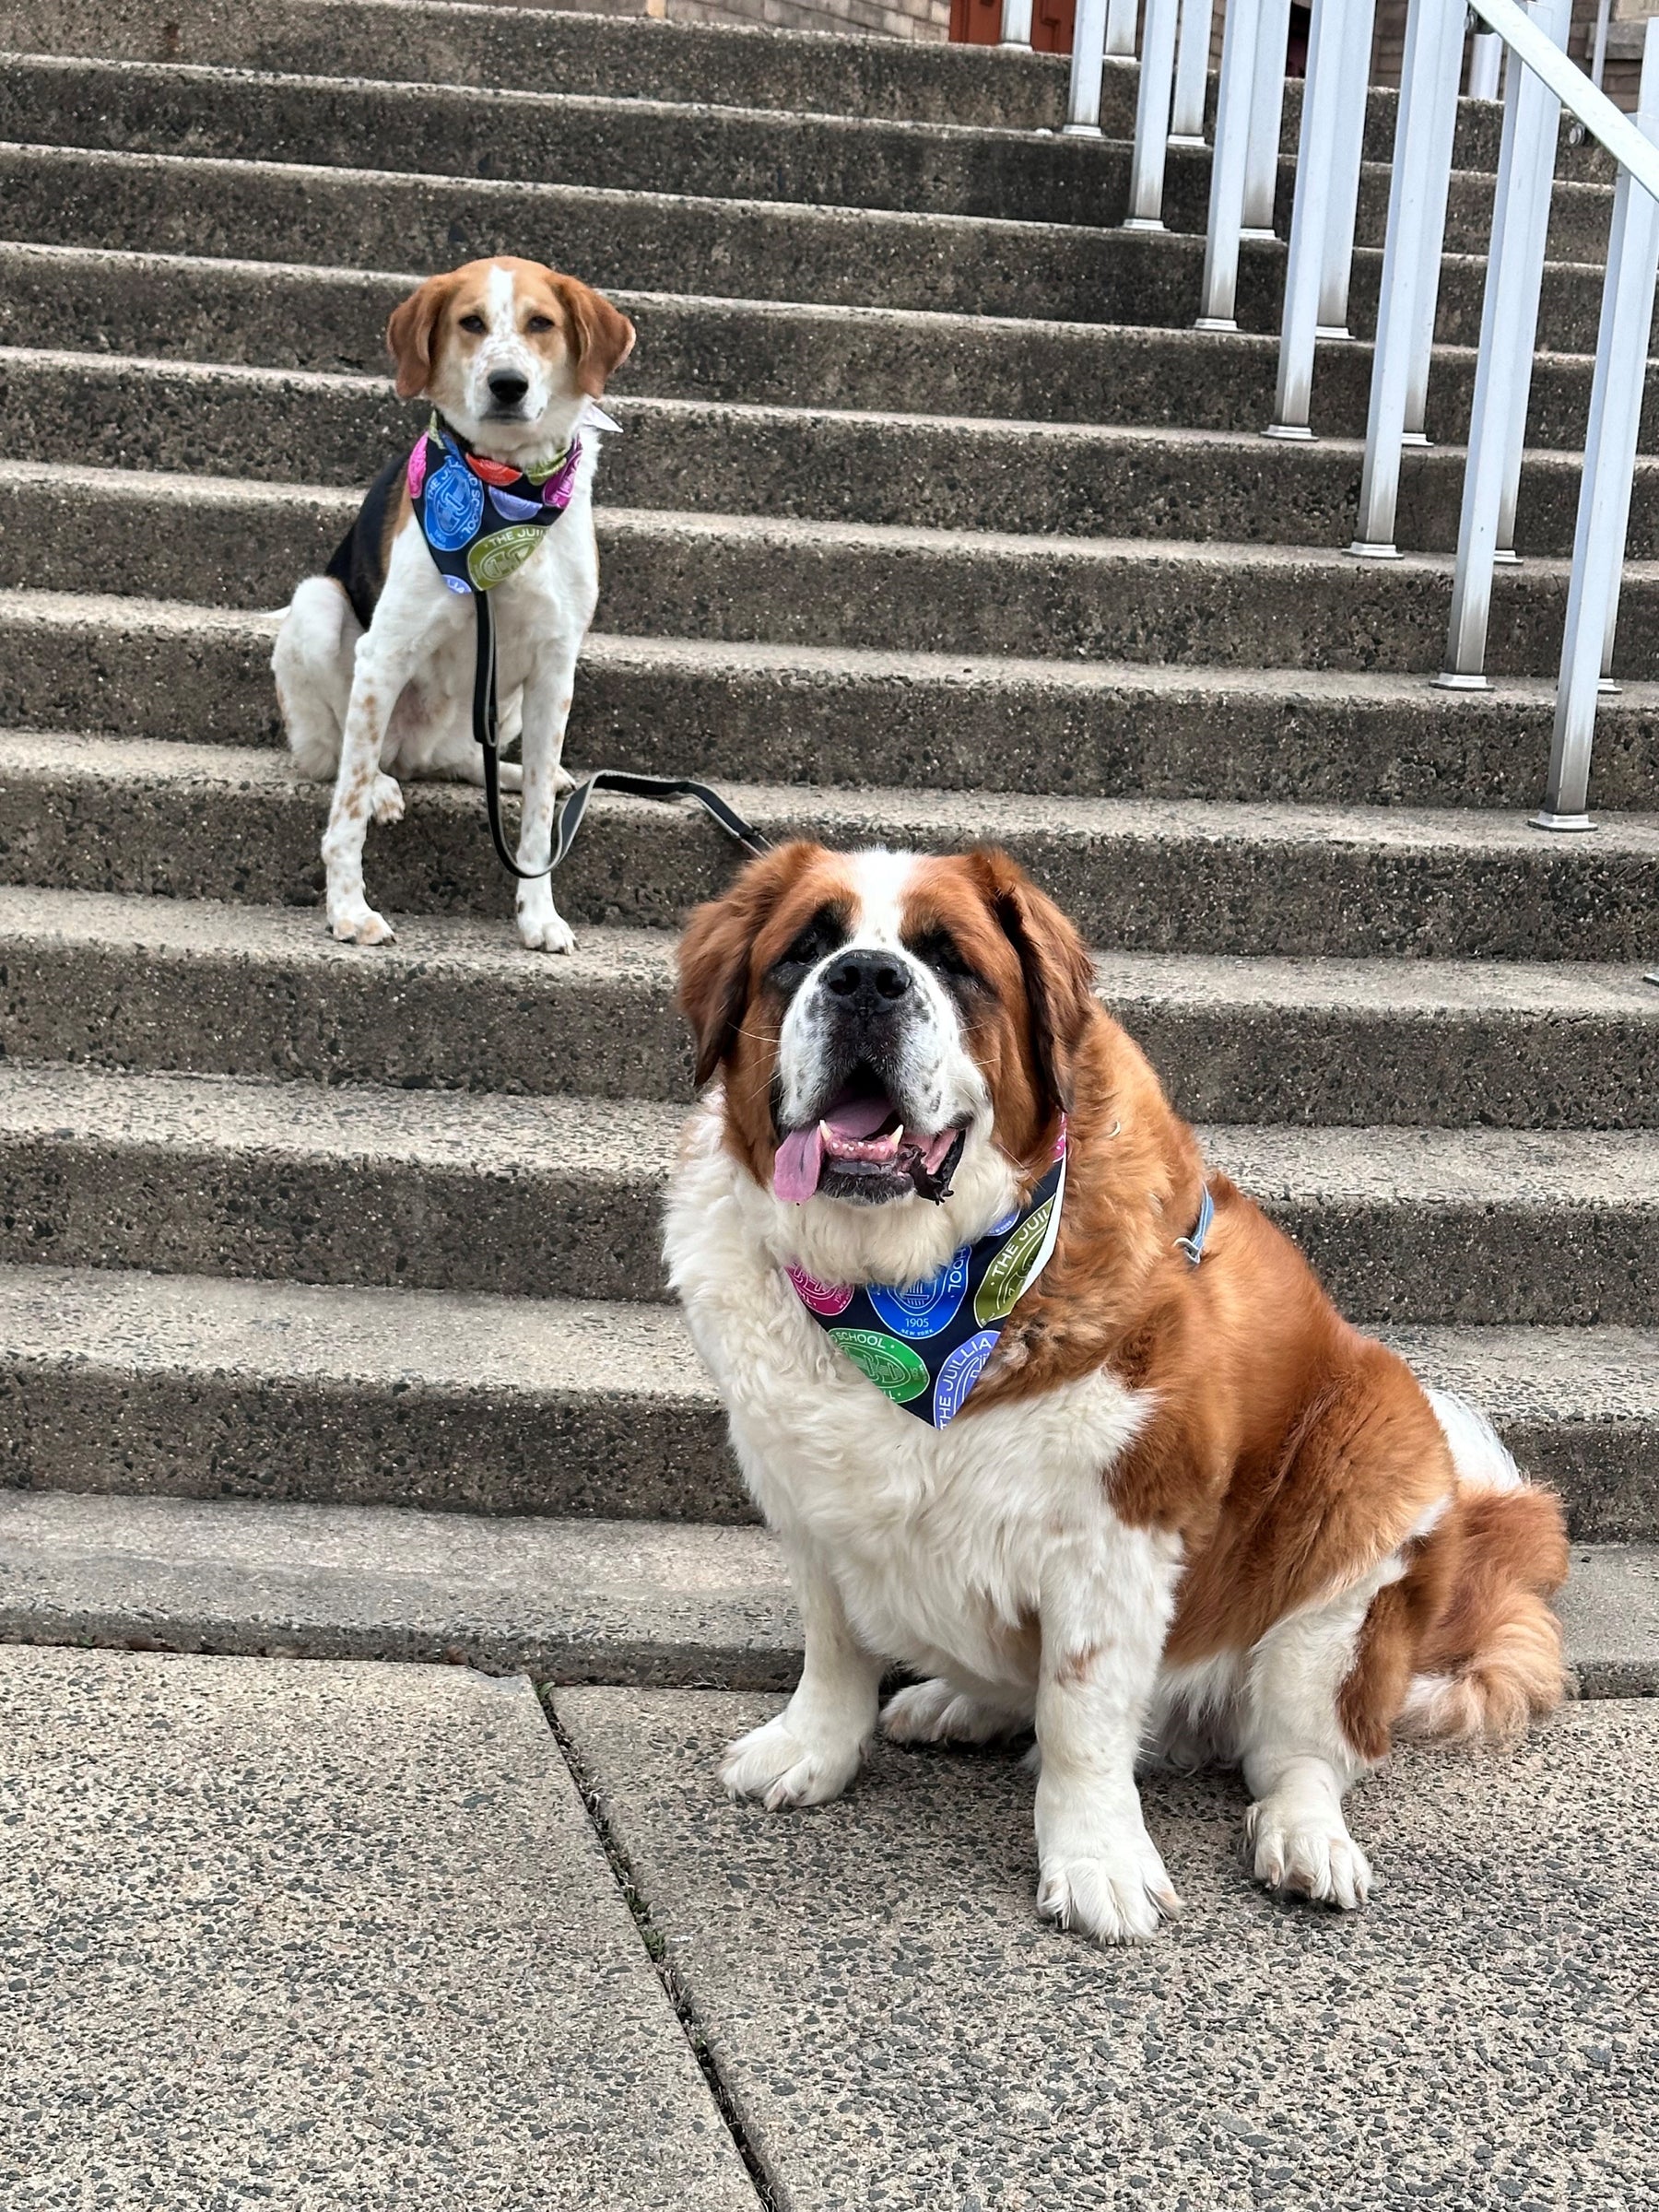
(979, 23)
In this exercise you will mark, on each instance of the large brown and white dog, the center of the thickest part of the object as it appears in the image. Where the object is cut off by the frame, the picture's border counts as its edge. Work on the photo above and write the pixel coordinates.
(1187, 1510)
(374, 659)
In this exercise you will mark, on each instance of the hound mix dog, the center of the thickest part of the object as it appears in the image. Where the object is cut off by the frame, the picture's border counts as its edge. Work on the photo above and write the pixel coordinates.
(1050, 1413)
(374, 659)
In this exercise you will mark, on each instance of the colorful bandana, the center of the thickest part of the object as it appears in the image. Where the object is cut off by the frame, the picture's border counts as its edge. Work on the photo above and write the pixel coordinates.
(926, 1346)
(482, 519)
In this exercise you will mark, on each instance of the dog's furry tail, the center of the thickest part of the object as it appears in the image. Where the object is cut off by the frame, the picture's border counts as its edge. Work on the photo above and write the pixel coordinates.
(1492, 1662)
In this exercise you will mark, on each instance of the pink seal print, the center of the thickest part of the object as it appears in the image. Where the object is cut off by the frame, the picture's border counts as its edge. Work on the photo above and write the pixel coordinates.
(828, 1299)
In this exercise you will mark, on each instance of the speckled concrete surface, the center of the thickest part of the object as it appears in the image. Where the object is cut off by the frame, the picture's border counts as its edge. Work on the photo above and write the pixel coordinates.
(161, 982)
(323, 1937)
(84, 662)
(203, 1386)
(663, 1604)
(897, 2031)
(1181, 876)
(562, 1197)
(660, 1601)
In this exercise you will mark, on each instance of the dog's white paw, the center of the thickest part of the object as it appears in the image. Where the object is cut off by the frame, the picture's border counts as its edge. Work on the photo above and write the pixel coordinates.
(544, 929)
(783, 1769)
(937, 1713)
(355, 923)
(386, 801)
(1303, 1853)
(1120, 1895)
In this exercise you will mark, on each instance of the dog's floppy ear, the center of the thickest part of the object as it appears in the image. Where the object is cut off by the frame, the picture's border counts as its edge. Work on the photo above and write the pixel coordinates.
(410, 332)
(600, 337)
(1054, 960)
(716, 952)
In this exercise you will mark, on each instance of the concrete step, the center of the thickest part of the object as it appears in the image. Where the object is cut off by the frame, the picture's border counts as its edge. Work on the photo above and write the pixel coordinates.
(132, 1384)
(533, 50)
(643, 145)
(627, 144)
(723, 65)
(1194, 876)
(264, 314)
(751, 249)
(86, 663)
(931, 471)
(202, 1387)
(457, 1191)
(656, 1604)
(218, 540)
(129, 981)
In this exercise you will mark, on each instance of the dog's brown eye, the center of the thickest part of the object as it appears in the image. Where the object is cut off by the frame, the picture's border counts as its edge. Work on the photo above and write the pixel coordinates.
(539, 322)
(475, 323)
(940, 951)
(815, 942)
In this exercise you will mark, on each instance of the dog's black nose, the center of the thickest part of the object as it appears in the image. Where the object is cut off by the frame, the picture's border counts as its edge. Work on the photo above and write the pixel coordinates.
(869, 982)
(507, 387)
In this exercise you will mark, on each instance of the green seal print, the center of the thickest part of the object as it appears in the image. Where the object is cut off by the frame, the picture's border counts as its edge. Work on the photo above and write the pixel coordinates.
(495, 558)
(1009, 1272)
(890, 1365)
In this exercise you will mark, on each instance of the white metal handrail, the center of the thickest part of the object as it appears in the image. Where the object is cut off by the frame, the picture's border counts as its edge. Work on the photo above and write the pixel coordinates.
(1539, 83)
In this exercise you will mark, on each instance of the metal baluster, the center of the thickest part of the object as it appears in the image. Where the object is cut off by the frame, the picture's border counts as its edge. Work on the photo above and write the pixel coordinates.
(1120, 29)
(1539, 189)
(1438, 157)
(1192, 72)
(1322, 123)
(1359, 22)
(1266, 115)
(1088, 48)
(1016, 23)
(1216, 310)
(1598, 544)
(1598, 54)
(1486, 63)
(1508, 324)
(1416, 216)
(1152, 117)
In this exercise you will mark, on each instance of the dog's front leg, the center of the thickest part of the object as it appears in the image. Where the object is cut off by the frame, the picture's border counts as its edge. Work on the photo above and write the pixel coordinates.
(811, 1751)
(1105, 1607)
(547, 709)
(386, 659)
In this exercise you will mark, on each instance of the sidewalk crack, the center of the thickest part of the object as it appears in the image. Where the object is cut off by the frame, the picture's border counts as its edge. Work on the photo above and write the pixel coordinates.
(656, 1950)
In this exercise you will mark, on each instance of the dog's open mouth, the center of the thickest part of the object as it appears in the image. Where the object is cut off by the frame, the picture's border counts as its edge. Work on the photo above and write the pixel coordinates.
(860, 1149)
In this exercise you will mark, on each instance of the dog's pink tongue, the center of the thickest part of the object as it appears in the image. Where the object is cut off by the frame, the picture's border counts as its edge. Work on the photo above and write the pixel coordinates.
(800, 1157)
(798, 1165)
(861, 1118)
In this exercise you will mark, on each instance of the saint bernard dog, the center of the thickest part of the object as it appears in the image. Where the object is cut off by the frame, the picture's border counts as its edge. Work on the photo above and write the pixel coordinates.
(1047, 1411)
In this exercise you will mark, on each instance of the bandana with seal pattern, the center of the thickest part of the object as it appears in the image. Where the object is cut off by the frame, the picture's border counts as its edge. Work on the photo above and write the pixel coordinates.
(483, 519)
(927, 1345)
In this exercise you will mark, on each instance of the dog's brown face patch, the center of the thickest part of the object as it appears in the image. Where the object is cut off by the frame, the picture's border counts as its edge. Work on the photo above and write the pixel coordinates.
(505, 311)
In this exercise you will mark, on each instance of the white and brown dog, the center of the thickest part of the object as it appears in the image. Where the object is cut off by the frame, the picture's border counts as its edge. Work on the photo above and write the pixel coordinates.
(374, 659)
(1162, 1497)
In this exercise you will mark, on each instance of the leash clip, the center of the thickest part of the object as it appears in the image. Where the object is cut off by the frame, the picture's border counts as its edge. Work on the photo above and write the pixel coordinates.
(1193, 1245)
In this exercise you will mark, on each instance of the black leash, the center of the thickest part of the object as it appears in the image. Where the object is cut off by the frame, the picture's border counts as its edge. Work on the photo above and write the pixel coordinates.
(570, 817)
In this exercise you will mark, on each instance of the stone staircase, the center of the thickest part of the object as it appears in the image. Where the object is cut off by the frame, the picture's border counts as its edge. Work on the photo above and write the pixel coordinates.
(934, 521)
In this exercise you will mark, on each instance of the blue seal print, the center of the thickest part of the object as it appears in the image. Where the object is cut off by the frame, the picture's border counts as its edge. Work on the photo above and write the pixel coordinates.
(514, 510)
(460, 585)
(924, 1309)
(455, 507)
(959, 1374)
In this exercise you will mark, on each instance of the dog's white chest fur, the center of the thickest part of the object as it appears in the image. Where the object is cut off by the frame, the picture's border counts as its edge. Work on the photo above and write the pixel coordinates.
(936, 1538)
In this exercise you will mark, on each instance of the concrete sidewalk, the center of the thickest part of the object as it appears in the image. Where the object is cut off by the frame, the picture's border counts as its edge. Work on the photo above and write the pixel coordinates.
(898, 2033)
(335, 1937)
(322, 1939)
